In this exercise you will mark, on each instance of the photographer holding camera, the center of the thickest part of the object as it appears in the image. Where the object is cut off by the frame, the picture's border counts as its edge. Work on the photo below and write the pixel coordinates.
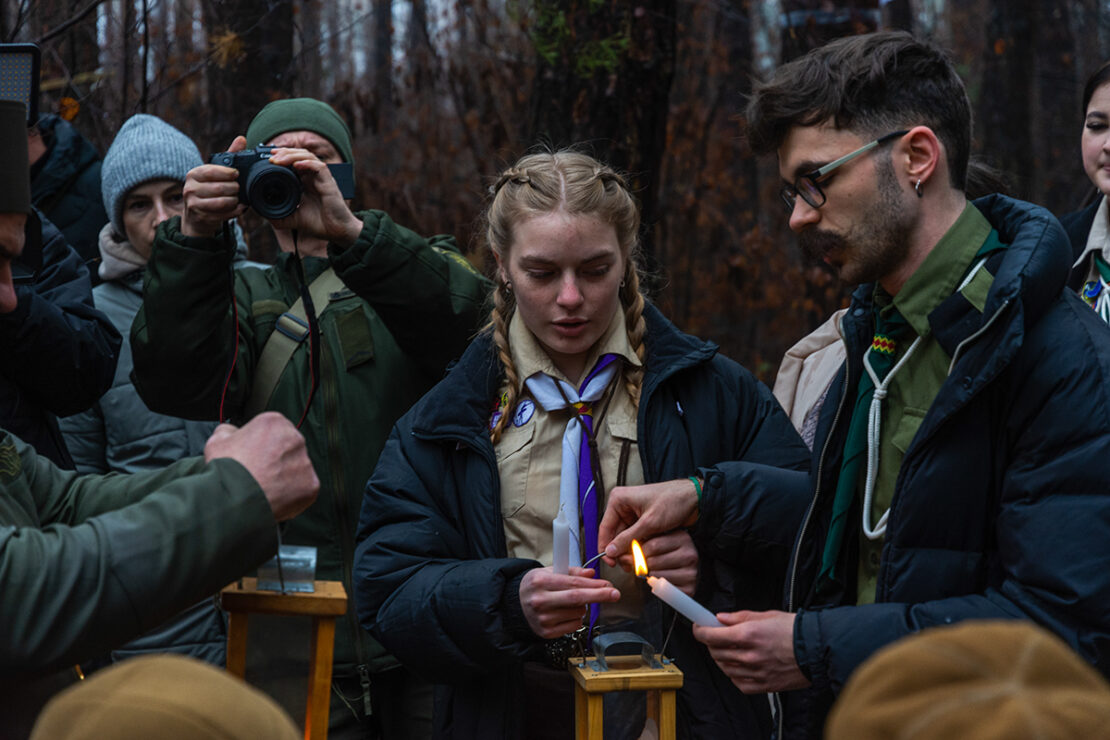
(357, 319)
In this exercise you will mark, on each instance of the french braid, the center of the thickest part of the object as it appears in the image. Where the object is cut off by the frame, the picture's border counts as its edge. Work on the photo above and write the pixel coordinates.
(503, 307)
(633, 301)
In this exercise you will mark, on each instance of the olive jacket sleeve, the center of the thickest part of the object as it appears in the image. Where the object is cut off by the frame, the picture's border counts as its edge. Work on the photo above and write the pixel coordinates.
(88, 562)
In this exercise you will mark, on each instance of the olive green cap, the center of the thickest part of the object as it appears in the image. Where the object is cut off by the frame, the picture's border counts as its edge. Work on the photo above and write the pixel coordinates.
(301, 114)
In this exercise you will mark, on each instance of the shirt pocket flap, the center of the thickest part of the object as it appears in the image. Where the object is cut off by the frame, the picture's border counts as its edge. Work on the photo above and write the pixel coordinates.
(513, 440)
(514, 456)
(907, 428)
(622, 428)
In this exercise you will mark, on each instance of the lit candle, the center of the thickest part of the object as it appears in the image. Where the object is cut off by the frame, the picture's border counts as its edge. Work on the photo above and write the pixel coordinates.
(560, 539)
(672, 595)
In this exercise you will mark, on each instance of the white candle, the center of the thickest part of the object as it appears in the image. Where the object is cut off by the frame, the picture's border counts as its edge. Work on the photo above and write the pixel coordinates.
(560, 539)
(682, 603)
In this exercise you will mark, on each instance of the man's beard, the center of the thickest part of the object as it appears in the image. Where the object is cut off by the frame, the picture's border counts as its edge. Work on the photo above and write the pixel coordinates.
(874, 246)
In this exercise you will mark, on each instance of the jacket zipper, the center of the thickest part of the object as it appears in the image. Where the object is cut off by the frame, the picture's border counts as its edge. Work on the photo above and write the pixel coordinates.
(978, 333)
(342, 511)
(809, 515)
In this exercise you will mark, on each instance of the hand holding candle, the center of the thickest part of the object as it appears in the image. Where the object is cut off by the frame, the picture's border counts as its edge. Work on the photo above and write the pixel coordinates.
(675, 598)
(554, 604)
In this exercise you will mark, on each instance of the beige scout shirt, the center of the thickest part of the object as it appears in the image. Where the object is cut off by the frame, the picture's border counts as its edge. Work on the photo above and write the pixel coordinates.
(1098, 242)
(530, 453)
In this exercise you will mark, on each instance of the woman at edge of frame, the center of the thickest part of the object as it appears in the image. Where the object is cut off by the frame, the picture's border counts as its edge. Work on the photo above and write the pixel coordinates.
(453, 567)
(1089, 228)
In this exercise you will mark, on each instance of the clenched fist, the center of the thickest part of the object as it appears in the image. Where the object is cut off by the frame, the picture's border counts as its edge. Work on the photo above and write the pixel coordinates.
(274, 453)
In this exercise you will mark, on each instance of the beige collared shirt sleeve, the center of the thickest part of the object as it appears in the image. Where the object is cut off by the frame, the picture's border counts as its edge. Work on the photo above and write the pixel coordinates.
(529, 458)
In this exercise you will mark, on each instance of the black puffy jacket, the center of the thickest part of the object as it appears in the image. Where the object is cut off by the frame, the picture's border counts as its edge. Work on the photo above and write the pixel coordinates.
(432, 578)
(59, 352)
(65, 185)
(1001, 509)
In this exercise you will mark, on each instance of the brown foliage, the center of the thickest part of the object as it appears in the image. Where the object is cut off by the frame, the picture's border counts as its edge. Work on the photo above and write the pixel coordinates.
(441, 95)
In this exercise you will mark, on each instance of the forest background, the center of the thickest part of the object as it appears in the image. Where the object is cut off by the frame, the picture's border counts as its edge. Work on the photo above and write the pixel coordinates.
(442, 94)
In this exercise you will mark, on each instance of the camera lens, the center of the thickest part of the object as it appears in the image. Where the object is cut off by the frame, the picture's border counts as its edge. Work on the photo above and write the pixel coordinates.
(273, 191)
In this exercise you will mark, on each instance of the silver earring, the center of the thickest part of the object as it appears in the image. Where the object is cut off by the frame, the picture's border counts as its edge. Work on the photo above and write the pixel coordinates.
(622, 284)
(507, 287)
(917, 188)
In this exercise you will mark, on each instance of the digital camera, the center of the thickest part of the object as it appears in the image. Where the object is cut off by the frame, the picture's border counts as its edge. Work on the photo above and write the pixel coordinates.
(274, 191)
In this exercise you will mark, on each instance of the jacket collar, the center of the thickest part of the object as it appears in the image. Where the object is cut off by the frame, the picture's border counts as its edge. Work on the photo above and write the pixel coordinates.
(1037, 262)
(460, 405)
(1029, 276)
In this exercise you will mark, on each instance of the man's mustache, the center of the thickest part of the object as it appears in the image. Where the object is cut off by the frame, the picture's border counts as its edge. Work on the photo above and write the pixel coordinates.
(816, 244)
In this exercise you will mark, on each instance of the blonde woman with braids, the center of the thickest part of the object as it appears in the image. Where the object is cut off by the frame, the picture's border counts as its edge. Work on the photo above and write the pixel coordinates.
(576, 386)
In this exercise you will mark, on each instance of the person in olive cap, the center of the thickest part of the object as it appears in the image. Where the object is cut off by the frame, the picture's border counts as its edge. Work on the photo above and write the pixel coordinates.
(391, 309)
(90, 562)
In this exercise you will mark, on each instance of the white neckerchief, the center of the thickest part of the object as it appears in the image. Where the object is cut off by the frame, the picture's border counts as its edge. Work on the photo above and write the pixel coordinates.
(544, 389)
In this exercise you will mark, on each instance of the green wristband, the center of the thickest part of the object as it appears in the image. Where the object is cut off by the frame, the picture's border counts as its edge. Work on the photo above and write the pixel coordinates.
(697, 488)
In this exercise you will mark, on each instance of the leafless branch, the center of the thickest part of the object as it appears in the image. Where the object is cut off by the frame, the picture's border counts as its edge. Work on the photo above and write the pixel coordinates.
(73, 21)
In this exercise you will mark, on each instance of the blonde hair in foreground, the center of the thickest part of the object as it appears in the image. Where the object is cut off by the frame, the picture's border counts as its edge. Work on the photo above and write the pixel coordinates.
(577, 184)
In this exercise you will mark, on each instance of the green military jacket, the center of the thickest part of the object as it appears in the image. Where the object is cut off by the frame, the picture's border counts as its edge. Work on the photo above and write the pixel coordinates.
(409, 307)
(89, 562)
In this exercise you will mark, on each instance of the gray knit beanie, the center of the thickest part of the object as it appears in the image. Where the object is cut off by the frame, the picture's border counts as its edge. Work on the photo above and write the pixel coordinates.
(146, 148)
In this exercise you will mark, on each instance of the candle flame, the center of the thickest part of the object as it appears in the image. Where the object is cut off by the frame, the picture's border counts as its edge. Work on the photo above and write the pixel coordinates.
(638, 557)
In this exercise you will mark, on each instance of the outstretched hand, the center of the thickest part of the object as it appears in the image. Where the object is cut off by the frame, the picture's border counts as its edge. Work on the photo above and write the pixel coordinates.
(642, 512)
(274, 453)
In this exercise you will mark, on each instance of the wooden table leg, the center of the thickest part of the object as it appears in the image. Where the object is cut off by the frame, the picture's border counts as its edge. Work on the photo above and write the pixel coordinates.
(667, 717)
(237, 644)
(319, 678)
(588, 714)
(580, 723)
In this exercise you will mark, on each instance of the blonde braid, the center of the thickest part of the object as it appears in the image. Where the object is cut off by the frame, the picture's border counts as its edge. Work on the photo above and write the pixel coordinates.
(503, 307)
(634, 324)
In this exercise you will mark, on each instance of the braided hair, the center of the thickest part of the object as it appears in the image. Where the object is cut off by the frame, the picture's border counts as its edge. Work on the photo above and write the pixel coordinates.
(578, 184)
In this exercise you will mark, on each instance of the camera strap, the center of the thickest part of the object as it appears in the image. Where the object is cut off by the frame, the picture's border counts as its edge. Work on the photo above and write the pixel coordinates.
(291, 329)
(313, 331)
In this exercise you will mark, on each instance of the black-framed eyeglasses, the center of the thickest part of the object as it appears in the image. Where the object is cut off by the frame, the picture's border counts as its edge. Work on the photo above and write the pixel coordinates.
(810, 190)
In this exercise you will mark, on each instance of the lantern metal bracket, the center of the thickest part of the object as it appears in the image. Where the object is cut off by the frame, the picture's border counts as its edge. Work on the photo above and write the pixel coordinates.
(608, 640)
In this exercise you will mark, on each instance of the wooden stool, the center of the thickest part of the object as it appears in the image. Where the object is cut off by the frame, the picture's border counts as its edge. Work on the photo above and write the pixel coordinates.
(329, 601)
(624, 673)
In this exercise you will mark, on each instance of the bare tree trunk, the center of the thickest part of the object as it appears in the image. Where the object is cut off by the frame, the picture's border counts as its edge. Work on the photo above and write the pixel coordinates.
(604, 77)
(336, 67)
(898, 14)
(144, 71)
(311, 51)
(766, 39)
(251, 47)
(382, 67)
(126, 27)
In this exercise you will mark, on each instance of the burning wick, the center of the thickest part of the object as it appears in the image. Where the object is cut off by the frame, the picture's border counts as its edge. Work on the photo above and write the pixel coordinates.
(675, 598)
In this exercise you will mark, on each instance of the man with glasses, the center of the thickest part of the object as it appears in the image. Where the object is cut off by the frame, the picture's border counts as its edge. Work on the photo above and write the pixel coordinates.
(963, 450)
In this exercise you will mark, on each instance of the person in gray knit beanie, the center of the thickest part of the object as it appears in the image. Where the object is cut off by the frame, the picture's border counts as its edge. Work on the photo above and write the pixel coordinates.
(146, 148)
